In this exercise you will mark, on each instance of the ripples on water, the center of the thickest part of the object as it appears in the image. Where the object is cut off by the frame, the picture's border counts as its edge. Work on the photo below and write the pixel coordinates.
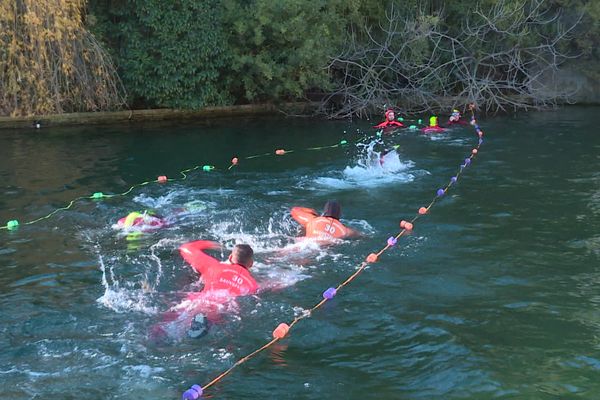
(493, 295)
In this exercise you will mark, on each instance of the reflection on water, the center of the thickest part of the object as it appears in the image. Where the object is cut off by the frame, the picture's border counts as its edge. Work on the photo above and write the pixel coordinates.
(492, 295)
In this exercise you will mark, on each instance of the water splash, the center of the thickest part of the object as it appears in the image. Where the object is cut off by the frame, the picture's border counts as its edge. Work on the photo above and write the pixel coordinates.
(122, 299)
(372, 168)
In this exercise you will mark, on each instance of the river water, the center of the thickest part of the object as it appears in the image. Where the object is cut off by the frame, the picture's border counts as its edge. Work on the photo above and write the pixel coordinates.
(493, 295)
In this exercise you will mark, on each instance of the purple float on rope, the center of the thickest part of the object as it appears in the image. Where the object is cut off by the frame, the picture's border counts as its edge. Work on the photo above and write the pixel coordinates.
(392, 241)
(453, 179)
(467, 161)
(440, 192)
(198, 389)
(329, 293)
(190, 394)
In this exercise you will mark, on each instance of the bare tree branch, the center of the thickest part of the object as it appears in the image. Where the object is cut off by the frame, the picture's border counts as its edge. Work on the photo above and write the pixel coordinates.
(500, 58)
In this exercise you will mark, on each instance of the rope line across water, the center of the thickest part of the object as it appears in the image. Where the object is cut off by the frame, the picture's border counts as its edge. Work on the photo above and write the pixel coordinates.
(282, 329)
(14, 224)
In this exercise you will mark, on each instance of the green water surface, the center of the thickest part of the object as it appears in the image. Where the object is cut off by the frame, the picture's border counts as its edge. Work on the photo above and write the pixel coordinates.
(492, 296)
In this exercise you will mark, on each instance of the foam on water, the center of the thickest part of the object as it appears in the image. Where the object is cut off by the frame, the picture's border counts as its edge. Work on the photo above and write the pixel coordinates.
(372, 168)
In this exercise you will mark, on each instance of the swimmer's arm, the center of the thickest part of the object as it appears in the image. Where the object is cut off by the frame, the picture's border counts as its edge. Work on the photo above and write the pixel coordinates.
(353, 234)
(194, 254)
(303, 215)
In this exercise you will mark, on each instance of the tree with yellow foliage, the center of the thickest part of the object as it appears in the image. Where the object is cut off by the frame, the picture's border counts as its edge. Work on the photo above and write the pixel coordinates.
(49, 62)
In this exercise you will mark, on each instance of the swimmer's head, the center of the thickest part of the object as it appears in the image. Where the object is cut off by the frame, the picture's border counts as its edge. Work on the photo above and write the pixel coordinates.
(242, 254)
(332, 209)
(131, 218)
(389, 114)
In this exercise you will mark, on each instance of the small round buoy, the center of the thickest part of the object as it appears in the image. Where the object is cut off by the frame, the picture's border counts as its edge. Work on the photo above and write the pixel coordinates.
(281, 330)
(329, 293)
(12, 224)
(371, 258)
(190, 394)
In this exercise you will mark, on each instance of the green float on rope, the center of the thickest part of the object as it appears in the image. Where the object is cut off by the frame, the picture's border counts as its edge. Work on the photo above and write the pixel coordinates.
(344, 142)
(98, 195)
(12, 224)
(207, 168)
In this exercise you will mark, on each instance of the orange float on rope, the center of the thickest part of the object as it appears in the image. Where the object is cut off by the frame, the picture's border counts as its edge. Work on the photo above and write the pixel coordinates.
(281, 330)
(402, 224)
(474, 151)
(408, 226)
(162, 179)
(234, 160)
(422, 210)
(280, 152)
(371, 258)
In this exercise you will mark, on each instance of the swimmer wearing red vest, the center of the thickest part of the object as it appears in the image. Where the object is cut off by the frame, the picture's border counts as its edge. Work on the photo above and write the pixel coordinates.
(390, 120)
(326, 226)
(223, 282)
(232, 277)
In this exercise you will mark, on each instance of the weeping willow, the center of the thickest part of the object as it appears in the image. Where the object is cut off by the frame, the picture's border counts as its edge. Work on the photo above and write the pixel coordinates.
(49, 62)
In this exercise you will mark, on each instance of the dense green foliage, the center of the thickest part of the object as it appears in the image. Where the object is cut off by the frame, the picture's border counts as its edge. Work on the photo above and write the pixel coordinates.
(192, 53)
(169, 53)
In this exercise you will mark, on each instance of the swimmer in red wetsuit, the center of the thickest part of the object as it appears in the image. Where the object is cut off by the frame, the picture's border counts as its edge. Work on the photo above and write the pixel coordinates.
(390, 120)
(327, 226)
(232, 277)
(223, 282)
